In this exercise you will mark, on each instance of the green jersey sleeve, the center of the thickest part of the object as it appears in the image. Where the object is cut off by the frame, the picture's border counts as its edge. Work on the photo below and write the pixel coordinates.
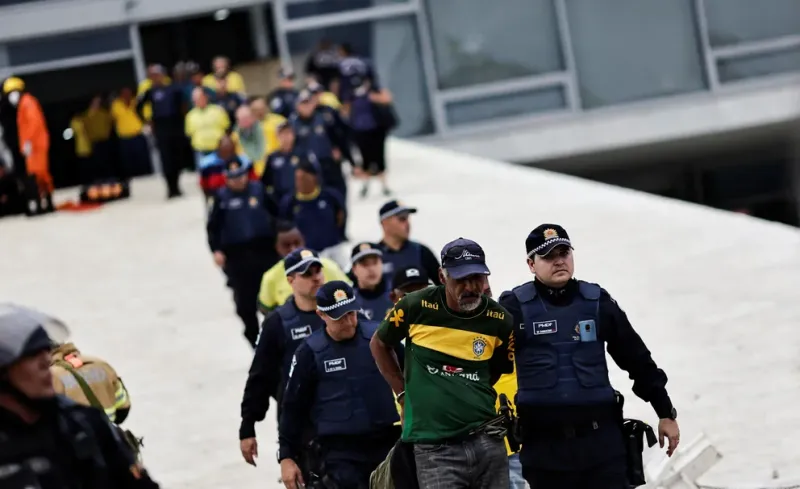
(395, 326)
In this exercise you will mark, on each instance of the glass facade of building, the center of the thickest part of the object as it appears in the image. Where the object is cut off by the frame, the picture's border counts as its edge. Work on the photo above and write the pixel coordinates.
(459, 64)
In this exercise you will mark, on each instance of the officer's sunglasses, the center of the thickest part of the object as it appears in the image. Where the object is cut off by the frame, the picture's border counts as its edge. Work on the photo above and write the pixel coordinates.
(457, 251)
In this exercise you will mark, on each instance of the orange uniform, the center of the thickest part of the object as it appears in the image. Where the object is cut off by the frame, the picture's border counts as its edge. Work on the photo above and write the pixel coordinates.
(34, 141)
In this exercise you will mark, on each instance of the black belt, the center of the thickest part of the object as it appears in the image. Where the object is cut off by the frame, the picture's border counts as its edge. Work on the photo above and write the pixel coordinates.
(455, 440)
(566, 430)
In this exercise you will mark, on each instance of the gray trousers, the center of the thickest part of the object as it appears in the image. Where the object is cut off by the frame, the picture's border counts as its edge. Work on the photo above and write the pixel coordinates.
(480, 462)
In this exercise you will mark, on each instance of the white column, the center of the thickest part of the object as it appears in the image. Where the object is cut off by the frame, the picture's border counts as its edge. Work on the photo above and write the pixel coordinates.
(258, 31)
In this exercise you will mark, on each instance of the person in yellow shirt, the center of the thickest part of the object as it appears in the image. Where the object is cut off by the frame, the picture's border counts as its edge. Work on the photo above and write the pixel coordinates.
(222, 71)
(134, 153)
(275, 289)
(206, 124)
(83, 149)
(270, 122)
(507, 384)
(99, 124)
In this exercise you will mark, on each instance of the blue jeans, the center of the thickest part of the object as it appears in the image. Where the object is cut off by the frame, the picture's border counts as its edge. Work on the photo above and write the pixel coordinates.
(515, 479)
(480, 462)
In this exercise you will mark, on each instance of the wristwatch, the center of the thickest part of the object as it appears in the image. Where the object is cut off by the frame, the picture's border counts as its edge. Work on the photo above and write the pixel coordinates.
(673, 414)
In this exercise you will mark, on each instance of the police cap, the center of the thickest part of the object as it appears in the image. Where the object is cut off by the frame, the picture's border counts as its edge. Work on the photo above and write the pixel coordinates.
(299, 260)
(544, 238)
(235, 167)
(363, 250)
(408, 276)
(336, 298)
(394, 208)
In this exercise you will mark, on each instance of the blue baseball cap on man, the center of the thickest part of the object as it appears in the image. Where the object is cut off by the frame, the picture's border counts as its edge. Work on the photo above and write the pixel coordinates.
(337, 298)
(464, 257)
(236, 168)
(299, 260)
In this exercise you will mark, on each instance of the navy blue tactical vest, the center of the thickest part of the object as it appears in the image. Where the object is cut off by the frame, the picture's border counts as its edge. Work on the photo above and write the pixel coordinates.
(374, 308)
(410, 255)
(312, 136)
(297, 326)
(245, 217)
(560, 359)
(352, 397)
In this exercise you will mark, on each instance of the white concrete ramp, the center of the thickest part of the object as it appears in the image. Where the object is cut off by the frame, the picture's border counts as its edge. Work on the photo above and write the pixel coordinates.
(714, 295)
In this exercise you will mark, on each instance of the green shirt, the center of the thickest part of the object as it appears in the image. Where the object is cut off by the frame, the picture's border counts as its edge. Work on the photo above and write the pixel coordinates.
(450, 358)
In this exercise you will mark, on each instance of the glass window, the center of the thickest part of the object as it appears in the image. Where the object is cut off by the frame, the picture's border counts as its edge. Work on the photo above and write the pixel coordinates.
(297, 9)
(752, 66)
(476, 41)
(739, 21)
(85, 43)
(393, 48)
(637, 50)
(506, 105)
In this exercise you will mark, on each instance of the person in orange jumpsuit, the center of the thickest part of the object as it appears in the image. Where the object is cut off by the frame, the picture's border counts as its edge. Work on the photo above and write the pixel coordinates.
(34, 139)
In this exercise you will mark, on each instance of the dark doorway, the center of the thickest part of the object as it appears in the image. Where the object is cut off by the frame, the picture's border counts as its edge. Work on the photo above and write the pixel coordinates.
(199, 39)
(64, 93)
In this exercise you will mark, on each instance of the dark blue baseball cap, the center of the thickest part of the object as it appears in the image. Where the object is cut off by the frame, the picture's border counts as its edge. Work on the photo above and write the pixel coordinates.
(394, 208)
(337, 298)
(235, 168)
(464, 257)
(300, 259)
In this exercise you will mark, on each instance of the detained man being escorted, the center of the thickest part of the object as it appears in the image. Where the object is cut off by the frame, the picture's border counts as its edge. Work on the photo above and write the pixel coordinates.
(457, 347)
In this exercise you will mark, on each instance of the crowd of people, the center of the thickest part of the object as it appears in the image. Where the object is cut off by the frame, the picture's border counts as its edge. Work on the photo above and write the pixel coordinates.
(400, 372)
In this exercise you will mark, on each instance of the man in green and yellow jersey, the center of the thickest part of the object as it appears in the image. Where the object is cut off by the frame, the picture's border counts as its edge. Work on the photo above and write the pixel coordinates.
(275, 288)
(457, 347)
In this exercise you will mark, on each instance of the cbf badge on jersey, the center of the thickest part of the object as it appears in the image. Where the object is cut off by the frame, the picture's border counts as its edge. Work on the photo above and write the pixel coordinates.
(545, 327)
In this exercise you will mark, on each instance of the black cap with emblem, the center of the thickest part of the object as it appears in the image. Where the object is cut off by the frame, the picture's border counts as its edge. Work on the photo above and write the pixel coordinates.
(544, 238)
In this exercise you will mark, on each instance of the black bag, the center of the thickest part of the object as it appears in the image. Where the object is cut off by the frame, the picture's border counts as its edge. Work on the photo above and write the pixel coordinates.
(385, 116)
(634, 432)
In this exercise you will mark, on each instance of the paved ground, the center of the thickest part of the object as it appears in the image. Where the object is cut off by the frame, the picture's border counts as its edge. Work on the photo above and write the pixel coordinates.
(713, 294)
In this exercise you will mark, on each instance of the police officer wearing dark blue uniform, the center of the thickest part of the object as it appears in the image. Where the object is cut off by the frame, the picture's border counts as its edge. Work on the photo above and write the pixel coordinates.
(398, 250)
(241, 235)
(314, 135)
(371, 285)
(570, 417)
(354, 71)
(282, 332)
(323, 63)
(282, 100)
(335, 384)
(337, 128)
(167, 102)
(278, 176)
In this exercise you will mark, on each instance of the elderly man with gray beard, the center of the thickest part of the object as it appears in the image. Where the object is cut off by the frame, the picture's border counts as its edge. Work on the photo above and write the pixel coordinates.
(457, 346)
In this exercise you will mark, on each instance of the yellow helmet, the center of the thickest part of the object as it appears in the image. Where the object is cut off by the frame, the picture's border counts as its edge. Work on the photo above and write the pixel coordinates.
(13, 84)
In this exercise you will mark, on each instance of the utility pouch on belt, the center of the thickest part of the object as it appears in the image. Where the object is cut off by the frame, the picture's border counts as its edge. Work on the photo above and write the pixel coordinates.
(632, 432)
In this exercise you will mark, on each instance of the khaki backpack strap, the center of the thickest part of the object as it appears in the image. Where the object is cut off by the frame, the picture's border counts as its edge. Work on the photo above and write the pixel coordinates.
(87, 391)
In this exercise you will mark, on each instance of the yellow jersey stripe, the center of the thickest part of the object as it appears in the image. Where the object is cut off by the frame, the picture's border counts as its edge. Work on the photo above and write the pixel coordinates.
(458, 343)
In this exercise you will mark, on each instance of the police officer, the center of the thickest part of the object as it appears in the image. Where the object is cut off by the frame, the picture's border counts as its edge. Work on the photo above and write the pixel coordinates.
(278, 176)
(282, 100)
(336, 127)
(323, 63)
(46, 440)
(314, 135)
(283, 330)
(398, 250)
(241, 235)
(335, 383)
(569, 414)
(167, 124)
(354, 71)
(371, 286)
(89, 381)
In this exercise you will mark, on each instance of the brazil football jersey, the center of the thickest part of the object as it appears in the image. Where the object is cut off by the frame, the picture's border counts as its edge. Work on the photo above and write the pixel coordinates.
(449, 360)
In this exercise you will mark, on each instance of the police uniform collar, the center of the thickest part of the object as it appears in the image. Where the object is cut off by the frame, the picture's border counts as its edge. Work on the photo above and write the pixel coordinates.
(564, 293)
(378, 291)
(386, 246)
(313, 195)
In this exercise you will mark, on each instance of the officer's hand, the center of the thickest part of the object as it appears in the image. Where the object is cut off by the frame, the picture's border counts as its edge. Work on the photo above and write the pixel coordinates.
(337, 154)
(219, 258)
(249, 448)
(668, 428)
(290, 474)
